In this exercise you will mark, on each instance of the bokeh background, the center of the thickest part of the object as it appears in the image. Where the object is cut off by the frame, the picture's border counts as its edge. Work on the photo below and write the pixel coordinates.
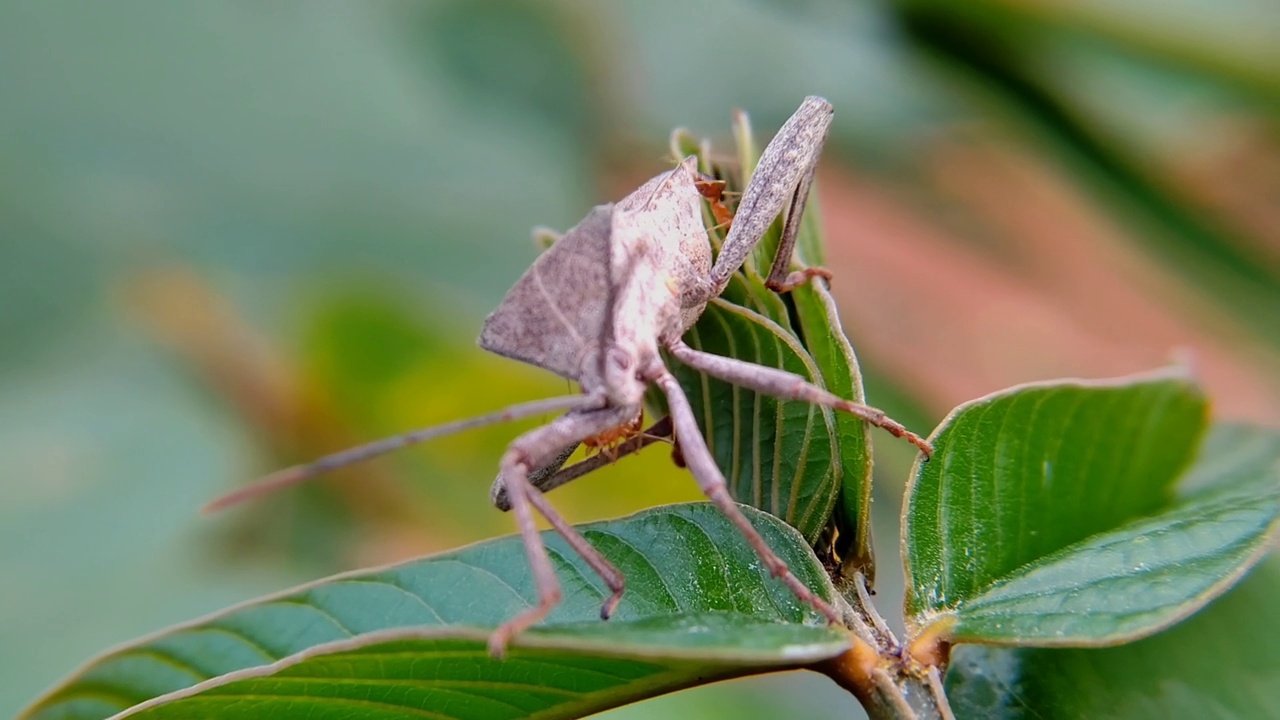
(237, 235)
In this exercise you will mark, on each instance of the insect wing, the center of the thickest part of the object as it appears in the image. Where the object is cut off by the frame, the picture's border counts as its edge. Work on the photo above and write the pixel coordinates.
(554, 314)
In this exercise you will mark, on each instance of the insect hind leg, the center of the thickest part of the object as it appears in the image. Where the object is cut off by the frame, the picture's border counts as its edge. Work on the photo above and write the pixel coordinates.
(781, 181)
(527, 453)
(788, 386)
(711, 481)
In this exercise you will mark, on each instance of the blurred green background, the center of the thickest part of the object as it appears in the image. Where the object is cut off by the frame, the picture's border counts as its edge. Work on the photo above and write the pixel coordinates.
(236, 235)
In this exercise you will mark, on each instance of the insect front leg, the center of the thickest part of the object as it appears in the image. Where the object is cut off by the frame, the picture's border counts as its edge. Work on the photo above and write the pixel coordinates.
(788, 386)
(781, 180)
(703, 466)
(554, 474)
(532, 450)
(540, 478)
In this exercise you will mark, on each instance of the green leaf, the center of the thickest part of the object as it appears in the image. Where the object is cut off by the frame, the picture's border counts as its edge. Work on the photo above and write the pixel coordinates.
(1221, 663)
(824, 338)
(1020, 475)
(1140, 118)
(1148, 573)
(408, 639)
(1227, 42)
(809, 316)
(1128, 125)
(818, 324)
(775, 455)
(527, 60)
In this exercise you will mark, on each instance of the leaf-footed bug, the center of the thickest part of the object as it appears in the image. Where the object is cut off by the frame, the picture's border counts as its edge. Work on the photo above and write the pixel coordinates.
(596, 308)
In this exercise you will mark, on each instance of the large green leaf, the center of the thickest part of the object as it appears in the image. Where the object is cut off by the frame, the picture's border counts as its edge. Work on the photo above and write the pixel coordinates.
(809, 315)
(1020, 475)
(1228, 42)
(775, 455)
(528, 59)
(1129, 126)
(824, 338)
(1222, 663)
(1148, 573)
(818, 323)
(1141, 117)
(408, 640)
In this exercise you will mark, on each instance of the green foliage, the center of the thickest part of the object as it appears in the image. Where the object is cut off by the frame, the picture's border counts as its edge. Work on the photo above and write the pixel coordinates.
(819, 325)
(408, 639)
(416, 143)
(802, 331)
(1126, 581)
(775, 455)
(1047, 516)
(1022, 474)
(1222, 663)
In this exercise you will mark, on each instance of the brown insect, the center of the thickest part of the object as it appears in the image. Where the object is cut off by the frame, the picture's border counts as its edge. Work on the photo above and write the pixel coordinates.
(597, 308)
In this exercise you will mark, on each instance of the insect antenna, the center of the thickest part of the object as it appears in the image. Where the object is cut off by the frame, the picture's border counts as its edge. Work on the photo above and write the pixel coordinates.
(301, 473)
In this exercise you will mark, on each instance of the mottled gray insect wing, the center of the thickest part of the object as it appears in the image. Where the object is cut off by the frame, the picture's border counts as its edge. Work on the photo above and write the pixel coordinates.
(661, 256)
(554, 315)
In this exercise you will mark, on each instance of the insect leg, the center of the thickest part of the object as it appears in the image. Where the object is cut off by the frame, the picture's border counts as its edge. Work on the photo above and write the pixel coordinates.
(542, 478)
(788, 386)
(532, 450)
(360, 453)
(782, 178)
(699, 461)
(611, 575)
(781, 279)
(553, 475)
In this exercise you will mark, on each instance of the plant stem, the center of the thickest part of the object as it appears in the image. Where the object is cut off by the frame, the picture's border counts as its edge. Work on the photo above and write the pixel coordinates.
(890, 684)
